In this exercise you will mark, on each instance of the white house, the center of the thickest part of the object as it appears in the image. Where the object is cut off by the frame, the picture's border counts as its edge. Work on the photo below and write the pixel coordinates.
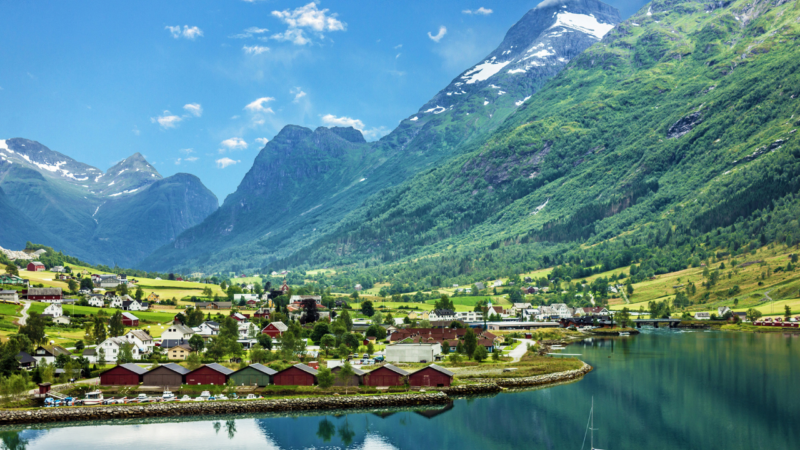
(469, 316)
(113, 346)
(133, 305)
(177, 331)
(247, 329)
(722, 310)
(115, 302)
(54, 309)
(702, 316)
(497, 283)
(97, 302)
(245, 297)
(207, 328)
(441, 314)
(413, 352)
(141, 340)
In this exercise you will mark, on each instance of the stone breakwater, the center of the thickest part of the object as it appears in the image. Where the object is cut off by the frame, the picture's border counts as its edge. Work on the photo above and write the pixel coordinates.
(45, 415)
(538, 380)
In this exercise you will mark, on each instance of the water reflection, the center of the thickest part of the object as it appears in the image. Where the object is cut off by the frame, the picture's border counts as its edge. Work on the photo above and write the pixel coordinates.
(660, 390)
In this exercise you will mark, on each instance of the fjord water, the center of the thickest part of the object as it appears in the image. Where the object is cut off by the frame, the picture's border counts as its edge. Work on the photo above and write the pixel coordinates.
(659, 390)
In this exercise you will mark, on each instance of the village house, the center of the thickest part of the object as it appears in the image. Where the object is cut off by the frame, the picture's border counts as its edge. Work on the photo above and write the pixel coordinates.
(219, 305)
(469, 316)
(207, 328)
(134, 305)
(275, 329)
(262, 313)
(177, 331)
(209, 374)
(296, 375)
(113, 346)
(702, 316)
(246, 297)
(58, 269)
(413, 353)
(239, 317)
(179, 352)
(247, 329)
(46, 295)
(153, 298)
(116, 302)
(96, 301)
(442, 314)
(54, 309)
(141, 340)
(594, 311)
(49, 353)
(722, 310)
(35, 266)
(123, 375)
(90, 354)
(129, 320)
(105, 281)
(9, 296)
(480, 286)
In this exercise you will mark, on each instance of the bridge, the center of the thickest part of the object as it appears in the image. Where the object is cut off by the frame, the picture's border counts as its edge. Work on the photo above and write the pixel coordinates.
(673, 323)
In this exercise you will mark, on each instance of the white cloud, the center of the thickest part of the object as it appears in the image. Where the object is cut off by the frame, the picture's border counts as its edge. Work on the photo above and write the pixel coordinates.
(191, 159)
(249, 32)
(235, 143)
(262, 141)
(480, 11)
(298, 94)
(331, 120)
(258, 105)
(294, 35)
(398, 55)
(307, 17)
(166, 120)
(194, 109)
(375, 133)
(178, 162)
(136, 130)
(399, 46)
(438, 37)
(255, 49)
(187, 151)
(225, 162)
(187, 32)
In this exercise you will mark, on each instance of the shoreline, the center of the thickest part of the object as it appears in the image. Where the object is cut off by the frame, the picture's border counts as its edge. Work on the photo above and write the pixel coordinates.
(291, 405)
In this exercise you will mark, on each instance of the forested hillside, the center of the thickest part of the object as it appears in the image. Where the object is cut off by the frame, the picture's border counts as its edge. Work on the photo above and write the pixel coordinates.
(669, 140)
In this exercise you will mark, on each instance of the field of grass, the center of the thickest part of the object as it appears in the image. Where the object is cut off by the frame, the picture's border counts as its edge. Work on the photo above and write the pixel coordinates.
(9, 309)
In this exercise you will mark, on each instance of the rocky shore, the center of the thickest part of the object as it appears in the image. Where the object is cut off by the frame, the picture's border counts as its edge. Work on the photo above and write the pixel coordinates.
(538, 380)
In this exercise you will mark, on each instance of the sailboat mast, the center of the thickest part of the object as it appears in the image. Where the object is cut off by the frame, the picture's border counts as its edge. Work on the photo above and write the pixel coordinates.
(592, 427)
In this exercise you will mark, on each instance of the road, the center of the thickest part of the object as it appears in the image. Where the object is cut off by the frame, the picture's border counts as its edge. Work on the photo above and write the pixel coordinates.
(521, 349)
(92, 381)
(24, 317)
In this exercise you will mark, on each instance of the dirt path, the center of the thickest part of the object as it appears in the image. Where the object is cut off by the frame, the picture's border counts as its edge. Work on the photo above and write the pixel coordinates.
(24, 317)
(521, 349)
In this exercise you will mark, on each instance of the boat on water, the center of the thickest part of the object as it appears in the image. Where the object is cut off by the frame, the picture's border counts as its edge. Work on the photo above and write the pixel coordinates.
(590, 428)
(624, 333)
(93, 398)
(168, 396)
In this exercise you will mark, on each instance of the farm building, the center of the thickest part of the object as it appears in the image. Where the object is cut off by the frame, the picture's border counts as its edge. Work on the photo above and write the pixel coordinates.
(209, 374)
(165, 375)
(35, 266)
(297, 375)
(421, 352)
(355, 380)
(275, 329)
(387, 375)
(129, 320)
(47, 295)
(253, 375)
(122, 375)
(432, 375)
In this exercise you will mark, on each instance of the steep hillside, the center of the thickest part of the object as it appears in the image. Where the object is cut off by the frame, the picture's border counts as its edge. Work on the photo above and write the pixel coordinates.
(683, 118)
(300, 188)
(116, 217)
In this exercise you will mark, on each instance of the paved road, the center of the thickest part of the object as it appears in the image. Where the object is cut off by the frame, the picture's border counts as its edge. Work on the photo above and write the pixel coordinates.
(24, 317)
(521, 349)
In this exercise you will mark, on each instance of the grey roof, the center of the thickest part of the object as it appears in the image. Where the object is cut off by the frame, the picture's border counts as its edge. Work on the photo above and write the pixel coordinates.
(439, 369)
(280, 326)
(261, 368)
(358, 372)
(89, 352)
(177, 368)
(305, 369)
(134, 368)
(169, 343)
(183, 328)
(144, 337)
(44, 291)
(129, 315)
(219, 368)
(25, 358)
(395, 369)
(8, 292)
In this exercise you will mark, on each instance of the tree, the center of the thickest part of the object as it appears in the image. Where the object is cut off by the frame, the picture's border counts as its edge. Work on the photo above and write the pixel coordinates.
(388, 320)
(377, 318)
(79, 345)
(470, 342)
(207, 292)
(324, 377)
(34, 329)
(376, 331)
(86, 283)
(460, 349)
(101, 357)
(115, 326)
(139, 294)
(753, 314)
(125, 353)
(344, 317)
(367, 309)
(327, 342)
(257, 354)
(122, 289)
(265, 341)
(629, 287)
(345, 375)
(495, 355)
(197, 343)
(352, 341)
(12, 269)
(193, 361)
(480, 353)
(320, 330)
(343, 351)
(445, 348)
(326, 430)
(444, 302)
(370, 348)
(73, 285)
(787, 312)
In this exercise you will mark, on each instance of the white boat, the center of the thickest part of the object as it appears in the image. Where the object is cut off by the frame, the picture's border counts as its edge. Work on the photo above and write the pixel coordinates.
(624, 333)
(186, 398)
(205, 395)
(251, 396)
(168, 396)
(590, 426)
(93, 398)
(222, 397)
(141, 398)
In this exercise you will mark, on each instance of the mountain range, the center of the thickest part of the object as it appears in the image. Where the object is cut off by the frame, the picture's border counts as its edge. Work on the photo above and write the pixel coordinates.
(115, 217)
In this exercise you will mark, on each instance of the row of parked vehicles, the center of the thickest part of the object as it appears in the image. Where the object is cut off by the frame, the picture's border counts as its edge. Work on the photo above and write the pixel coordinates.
(96, 398)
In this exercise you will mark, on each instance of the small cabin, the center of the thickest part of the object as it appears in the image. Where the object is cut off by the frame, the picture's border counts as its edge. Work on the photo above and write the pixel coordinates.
(432, 375)
(297, 375)
(387, 375)
(209, 374)
(253, 375)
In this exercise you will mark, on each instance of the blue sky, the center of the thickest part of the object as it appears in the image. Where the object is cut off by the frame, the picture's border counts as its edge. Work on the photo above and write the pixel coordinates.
(198, 86)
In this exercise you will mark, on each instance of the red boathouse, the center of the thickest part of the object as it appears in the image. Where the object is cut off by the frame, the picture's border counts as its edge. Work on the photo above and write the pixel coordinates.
(122, 375)
(297, 375)
(387, 375)
(432, 375)
(209, 374)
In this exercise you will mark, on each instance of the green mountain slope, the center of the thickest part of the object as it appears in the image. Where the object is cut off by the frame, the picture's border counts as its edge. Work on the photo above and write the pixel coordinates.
(303, 184)
(682, 118)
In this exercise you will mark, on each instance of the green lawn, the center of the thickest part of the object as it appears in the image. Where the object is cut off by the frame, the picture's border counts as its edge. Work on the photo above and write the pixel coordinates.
(8, 309)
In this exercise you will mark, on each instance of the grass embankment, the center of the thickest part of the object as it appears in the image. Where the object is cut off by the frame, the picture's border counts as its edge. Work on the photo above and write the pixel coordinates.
(530, 365)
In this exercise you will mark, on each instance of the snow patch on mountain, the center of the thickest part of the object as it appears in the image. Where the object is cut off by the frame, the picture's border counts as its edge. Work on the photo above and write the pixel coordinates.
(583, 23)
(484, 71)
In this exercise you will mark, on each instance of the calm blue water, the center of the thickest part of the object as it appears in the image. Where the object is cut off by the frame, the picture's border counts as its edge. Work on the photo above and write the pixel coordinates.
(665, 390)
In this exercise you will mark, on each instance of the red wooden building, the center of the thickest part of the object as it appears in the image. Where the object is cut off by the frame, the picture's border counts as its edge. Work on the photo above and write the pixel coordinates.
(432, 375)
(387, 375)
(35, 266)
(209, 374)
(122, 375)
(297, 375)
(275, 329)
(44, 294)
(129, 320)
